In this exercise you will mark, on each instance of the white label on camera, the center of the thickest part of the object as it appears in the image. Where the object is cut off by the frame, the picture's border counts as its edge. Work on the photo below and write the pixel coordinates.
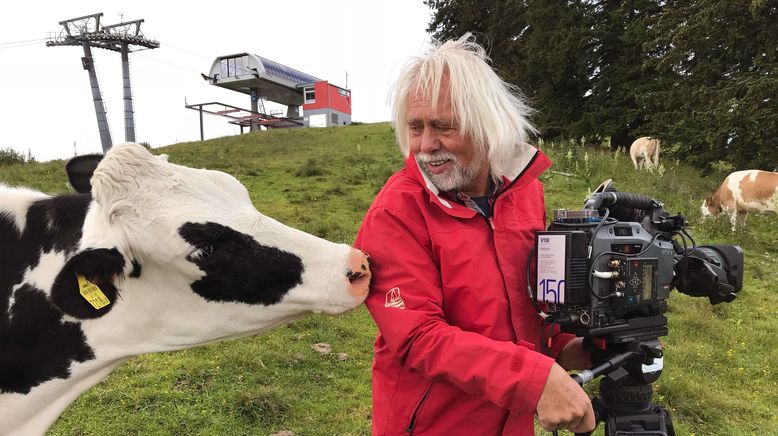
(551, 268)
(654, 367)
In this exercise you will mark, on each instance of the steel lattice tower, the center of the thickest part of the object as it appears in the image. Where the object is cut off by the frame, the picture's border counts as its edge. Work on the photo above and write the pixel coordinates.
(87, 32)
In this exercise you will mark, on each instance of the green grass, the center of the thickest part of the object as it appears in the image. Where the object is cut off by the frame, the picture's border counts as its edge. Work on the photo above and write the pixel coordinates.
(720, 363)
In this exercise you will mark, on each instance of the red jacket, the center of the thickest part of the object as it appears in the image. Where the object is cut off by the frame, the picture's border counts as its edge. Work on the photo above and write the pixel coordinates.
(455, 352)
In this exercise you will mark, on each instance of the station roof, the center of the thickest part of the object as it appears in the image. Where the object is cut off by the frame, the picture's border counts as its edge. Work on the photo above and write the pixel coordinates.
(277, 70)
(274, 81)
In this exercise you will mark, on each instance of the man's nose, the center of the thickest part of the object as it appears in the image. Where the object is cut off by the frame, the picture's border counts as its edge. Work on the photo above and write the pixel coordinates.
(429, 141)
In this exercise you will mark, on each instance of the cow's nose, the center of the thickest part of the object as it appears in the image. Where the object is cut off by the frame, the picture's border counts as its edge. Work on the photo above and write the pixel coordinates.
(358, 273)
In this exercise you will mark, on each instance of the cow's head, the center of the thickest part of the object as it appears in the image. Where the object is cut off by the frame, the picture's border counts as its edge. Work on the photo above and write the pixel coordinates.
(711, 206)
(184, 258)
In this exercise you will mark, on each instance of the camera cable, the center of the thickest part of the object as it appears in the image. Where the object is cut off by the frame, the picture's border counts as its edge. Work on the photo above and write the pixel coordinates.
(594, 262)
(684, 261)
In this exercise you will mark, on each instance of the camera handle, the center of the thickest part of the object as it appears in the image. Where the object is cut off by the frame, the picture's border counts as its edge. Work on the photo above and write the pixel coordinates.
(613, 363)
(623, 199)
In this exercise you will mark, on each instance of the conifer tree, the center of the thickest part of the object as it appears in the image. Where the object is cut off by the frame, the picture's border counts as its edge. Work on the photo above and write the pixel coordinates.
(717, 97)
(702, 76)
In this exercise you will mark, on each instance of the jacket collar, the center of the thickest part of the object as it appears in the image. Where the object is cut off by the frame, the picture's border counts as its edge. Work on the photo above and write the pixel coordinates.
(527, 166)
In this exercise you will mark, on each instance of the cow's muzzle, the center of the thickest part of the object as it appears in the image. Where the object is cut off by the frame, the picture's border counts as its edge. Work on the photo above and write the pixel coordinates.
(358, 273)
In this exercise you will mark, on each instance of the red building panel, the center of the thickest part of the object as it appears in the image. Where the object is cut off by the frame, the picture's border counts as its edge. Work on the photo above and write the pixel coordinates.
(330, 96)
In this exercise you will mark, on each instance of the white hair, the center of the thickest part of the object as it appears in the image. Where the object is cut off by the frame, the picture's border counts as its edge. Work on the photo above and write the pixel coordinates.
(489, 110)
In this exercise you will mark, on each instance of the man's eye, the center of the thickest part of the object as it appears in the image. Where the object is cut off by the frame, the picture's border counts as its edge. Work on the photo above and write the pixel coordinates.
(416, 129)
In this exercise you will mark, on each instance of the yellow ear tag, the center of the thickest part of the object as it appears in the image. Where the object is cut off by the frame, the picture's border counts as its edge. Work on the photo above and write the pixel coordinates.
(92, 293)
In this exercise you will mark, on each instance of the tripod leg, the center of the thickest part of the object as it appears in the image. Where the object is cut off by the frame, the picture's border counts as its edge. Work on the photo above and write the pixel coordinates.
(652, 422)
(667, 418)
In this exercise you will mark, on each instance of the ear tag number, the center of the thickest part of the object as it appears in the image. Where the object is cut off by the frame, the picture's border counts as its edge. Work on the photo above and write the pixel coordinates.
(92, 293)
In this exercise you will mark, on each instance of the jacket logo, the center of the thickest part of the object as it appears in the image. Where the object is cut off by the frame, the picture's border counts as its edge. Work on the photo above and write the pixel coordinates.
(394, 299)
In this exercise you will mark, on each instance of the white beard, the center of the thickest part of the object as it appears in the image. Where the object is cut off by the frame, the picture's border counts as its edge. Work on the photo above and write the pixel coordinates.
(458, 178)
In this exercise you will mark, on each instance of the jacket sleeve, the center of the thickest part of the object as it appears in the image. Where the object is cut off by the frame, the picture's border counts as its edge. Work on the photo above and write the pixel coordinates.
(406, 301)
(559, 340)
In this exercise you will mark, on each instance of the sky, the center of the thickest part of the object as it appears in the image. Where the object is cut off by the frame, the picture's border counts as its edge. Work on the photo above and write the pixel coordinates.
(46, 106)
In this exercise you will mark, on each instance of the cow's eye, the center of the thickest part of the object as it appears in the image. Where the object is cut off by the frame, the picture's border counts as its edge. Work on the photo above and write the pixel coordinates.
(200, 252)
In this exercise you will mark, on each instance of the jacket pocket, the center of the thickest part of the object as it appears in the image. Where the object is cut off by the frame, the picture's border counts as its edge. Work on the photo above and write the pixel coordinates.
(417, 410)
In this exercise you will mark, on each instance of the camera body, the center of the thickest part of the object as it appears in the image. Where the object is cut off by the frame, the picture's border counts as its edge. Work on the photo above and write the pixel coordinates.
(607, 270)
(628, 286)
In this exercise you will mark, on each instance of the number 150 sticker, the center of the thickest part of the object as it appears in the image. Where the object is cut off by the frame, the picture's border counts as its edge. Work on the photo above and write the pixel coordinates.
(551, 268)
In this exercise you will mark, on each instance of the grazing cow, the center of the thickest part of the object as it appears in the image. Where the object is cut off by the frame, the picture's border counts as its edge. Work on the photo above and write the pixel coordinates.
(158, 257)
(645, 152)
(743, 192)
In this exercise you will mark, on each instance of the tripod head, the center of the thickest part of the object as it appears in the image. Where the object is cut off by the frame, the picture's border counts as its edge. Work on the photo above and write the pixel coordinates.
(630, 360)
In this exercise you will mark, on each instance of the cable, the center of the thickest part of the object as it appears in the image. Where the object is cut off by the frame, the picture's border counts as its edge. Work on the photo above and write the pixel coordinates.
(594, 262)
(167, 44)
(684, 261)
(597, 229)
(694, 244)
(529, 284)
(26, 41)
(29, 44)
(167, 63)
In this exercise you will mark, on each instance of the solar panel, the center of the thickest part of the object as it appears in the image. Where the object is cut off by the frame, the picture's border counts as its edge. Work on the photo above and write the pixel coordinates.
(284, 72)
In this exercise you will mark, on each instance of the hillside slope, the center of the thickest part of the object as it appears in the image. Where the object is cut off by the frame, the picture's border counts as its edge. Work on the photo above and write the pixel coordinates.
(720, 363)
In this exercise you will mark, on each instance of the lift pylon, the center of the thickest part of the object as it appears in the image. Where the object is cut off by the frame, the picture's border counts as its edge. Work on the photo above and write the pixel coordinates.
(88, 32)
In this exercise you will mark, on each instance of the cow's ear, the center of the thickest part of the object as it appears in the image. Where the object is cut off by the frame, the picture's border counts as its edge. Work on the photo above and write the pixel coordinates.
(72, 292)
(80, 170)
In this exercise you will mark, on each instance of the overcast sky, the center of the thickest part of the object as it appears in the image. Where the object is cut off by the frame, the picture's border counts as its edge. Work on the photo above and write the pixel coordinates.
(46, 102)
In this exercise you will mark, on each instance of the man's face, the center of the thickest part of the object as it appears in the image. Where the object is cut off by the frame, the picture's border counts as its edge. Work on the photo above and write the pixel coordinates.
(448, 158)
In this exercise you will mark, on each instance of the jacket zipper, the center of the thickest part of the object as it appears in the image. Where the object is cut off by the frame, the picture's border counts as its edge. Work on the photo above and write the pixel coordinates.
(412, 422)
(490, 223)
(490, 220)
(515, 179)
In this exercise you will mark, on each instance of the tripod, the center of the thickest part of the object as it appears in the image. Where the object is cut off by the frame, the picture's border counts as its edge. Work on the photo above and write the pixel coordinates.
(630, 361)
(626, 409)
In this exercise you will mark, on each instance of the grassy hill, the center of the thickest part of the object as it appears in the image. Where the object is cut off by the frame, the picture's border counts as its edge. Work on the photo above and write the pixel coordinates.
(720, 362)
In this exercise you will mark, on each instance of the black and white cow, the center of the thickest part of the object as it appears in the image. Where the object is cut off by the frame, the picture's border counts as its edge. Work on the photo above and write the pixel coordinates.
(179, 254)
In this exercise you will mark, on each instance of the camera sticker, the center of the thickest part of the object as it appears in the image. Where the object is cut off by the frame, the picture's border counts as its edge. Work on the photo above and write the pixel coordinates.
(551, 268)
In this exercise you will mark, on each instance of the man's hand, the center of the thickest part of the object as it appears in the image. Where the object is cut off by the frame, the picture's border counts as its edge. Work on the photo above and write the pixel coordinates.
(574, 356)
(564, 405)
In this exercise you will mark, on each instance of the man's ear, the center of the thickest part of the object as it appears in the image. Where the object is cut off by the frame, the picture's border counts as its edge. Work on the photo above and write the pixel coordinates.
(100, 266)
(80, 170)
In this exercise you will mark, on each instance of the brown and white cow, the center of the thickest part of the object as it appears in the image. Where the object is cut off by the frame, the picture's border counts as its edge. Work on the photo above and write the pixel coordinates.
(179, 257)
(743, 192)
(645, 152)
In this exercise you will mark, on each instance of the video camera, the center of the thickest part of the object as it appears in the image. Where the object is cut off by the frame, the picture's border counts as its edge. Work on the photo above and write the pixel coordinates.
(605, 272)
(609, 268)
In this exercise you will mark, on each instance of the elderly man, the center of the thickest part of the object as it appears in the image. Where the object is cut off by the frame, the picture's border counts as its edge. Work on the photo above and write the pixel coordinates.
(458, 350)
